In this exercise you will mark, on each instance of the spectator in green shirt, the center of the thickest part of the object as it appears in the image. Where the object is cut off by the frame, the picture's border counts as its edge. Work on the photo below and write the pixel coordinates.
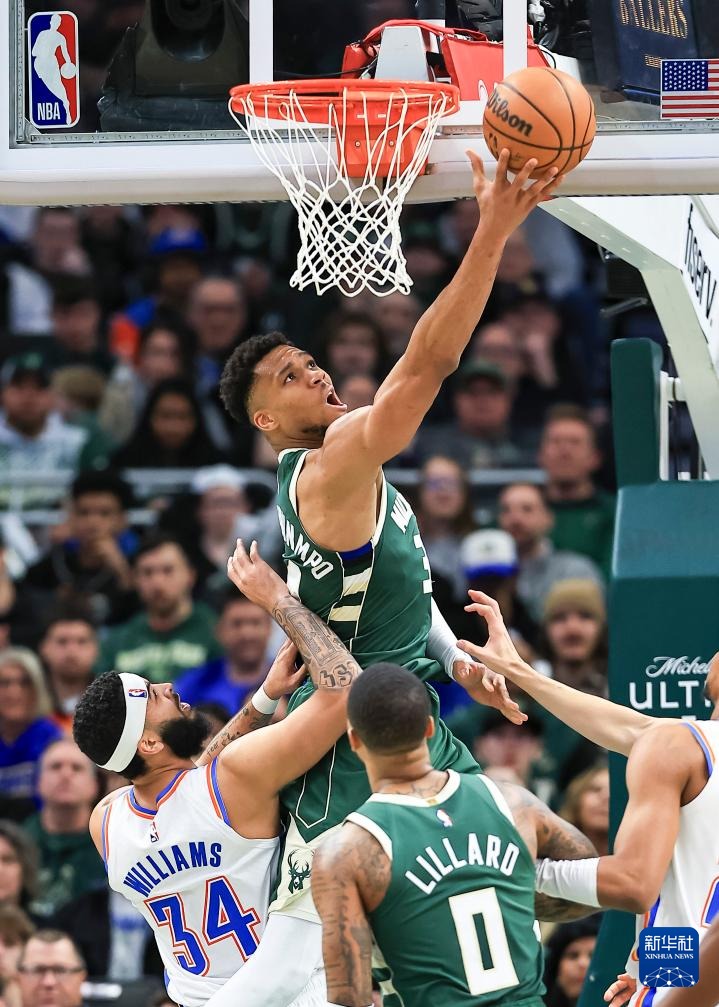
(583, 514)
(173, 632)
(69, 864)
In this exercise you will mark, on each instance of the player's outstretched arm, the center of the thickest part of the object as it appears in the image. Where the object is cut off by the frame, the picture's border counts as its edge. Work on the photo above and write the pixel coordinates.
(364, 440)
(605, 723)
(659, 768)
(282, 752)
(548, 835)
(350, 875)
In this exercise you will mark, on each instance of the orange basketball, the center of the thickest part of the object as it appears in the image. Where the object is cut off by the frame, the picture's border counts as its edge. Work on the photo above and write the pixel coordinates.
(542, 113)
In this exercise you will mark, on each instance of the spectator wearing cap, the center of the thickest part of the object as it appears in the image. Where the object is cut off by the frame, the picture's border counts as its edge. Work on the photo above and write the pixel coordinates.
(489, 563)
(90, 566)
(583, 514)
(33, 437)
(244, 633)
(25, 728)
(76, 328)
(69, 864)
(480, 435)
(523, 513)
(172, 633)
(69, 649)
(575, 631)
(51, 971)
(175, 257)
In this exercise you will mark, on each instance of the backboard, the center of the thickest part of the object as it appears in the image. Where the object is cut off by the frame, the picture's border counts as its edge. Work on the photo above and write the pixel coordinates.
(143, 117)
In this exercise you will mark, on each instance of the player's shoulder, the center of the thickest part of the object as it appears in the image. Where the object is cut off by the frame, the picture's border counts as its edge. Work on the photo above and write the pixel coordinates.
(98, 813)
(110, 798)
(346, 848)
(665, 746)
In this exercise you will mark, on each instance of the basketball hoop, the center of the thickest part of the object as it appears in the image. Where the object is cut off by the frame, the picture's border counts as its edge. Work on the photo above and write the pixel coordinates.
(347, 153)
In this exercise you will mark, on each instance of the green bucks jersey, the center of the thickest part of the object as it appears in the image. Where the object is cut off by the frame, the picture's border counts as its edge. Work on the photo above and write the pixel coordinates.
(456, 926)
(377, 599)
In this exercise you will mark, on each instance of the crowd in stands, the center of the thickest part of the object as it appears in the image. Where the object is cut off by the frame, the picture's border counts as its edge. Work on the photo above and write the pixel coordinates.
(115, 324)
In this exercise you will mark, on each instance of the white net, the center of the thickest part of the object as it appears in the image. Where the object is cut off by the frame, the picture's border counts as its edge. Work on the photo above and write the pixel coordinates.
(349, 227)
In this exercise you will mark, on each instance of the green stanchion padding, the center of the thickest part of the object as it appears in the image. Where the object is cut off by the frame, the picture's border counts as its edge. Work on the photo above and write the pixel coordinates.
(636, 365)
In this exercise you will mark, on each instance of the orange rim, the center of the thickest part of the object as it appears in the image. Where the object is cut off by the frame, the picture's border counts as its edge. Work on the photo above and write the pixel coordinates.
(319, 95)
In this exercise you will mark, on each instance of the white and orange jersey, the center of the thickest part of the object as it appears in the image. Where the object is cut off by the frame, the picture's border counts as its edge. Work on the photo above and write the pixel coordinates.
(689, 895)
(203, 889)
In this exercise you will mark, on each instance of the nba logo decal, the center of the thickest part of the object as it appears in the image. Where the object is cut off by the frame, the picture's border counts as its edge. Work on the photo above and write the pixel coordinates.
(137, 693)
(444, 818)
(53, 83)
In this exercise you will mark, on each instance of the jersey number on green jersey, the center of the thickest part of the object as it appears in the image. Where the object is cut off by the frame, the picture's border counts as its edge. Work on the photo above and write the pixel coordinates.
(465, 909)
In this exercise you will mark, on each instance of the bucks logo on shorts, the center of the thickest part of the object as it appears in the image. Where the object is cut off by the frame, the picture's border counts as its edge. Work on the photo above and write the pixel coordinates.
(299, 871)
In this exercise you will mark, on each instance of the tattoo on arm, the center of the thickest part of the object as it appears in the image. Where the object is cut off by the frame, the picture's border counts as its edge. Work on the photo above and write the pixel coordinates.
(350, 876)
(549, 910)
(548, 835)
(248, 719)
(329, 663)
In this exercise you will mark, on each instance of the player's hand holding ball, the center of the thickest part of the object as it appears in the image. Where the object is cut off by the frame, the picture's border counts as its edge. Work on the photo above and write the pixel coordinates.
(542, 114)
(257, 581)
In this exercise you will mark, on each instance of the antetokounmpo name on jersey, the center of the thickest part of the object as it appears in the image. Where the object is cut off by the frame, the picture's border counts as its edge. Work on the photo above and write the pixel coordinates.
(433, 865)
(304, 553)
(155, 868)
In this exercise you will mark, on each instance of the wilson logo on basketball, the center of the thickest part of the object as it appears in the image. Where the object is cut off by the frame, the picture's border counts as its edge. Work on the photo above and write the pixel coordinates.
(500, 108)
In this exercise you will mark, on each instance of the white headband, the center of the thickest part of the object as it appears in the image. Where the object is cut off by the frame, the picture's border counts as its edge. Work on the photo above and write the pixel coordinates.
(136, 696)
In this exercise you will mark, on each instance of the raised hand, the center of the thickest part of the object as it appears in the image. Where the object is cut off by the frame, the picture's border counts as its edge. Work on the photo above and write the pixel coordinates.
(255, 578)
(499, 653)
(487, 688)
(505, 204)
(283, 677)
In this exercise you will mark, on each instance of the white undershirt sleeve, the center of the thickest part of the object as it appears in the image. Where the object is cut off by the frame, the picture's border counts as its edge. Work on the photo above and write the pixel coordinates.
(442, 643)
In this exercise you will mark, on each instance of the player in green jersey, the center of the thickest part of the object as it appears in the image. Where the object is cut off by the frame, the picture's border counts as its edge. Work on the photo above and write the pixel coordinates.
(352, 547)
(437, 868)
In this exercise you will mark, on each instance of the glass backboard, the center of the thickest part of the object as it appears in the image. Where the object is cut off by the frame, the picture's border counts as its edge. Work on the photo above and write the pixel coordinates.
(125, 100)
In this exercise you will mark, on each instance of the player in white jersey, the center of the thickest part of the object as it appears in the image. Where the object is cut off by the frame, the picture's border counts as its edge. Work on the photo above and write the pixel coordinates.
(667, 847)
(194, 847)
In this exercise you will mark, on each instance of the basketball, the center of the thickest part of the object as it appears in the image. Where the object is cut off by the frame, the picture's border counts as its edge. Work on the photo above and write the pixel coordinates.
(543, 113)
(68, 70)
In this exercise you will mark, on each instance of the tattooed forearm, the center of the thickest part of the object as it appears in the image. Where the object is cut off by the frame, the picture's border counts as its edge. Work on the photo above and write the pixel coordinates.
(549, 910)
(329, 663)
(248, 719)
(559, 840)
(350, 875)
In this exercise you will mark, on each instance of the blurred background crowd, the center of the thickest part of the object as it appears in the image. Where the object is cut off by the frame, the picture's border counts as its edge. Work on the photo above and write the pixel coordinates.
(123, 486)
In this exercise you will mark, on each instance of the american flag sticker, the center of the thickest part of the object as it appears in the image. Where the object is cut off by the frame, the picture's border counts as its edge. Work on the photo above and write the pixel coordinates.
(690, 89)
(53, 77)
